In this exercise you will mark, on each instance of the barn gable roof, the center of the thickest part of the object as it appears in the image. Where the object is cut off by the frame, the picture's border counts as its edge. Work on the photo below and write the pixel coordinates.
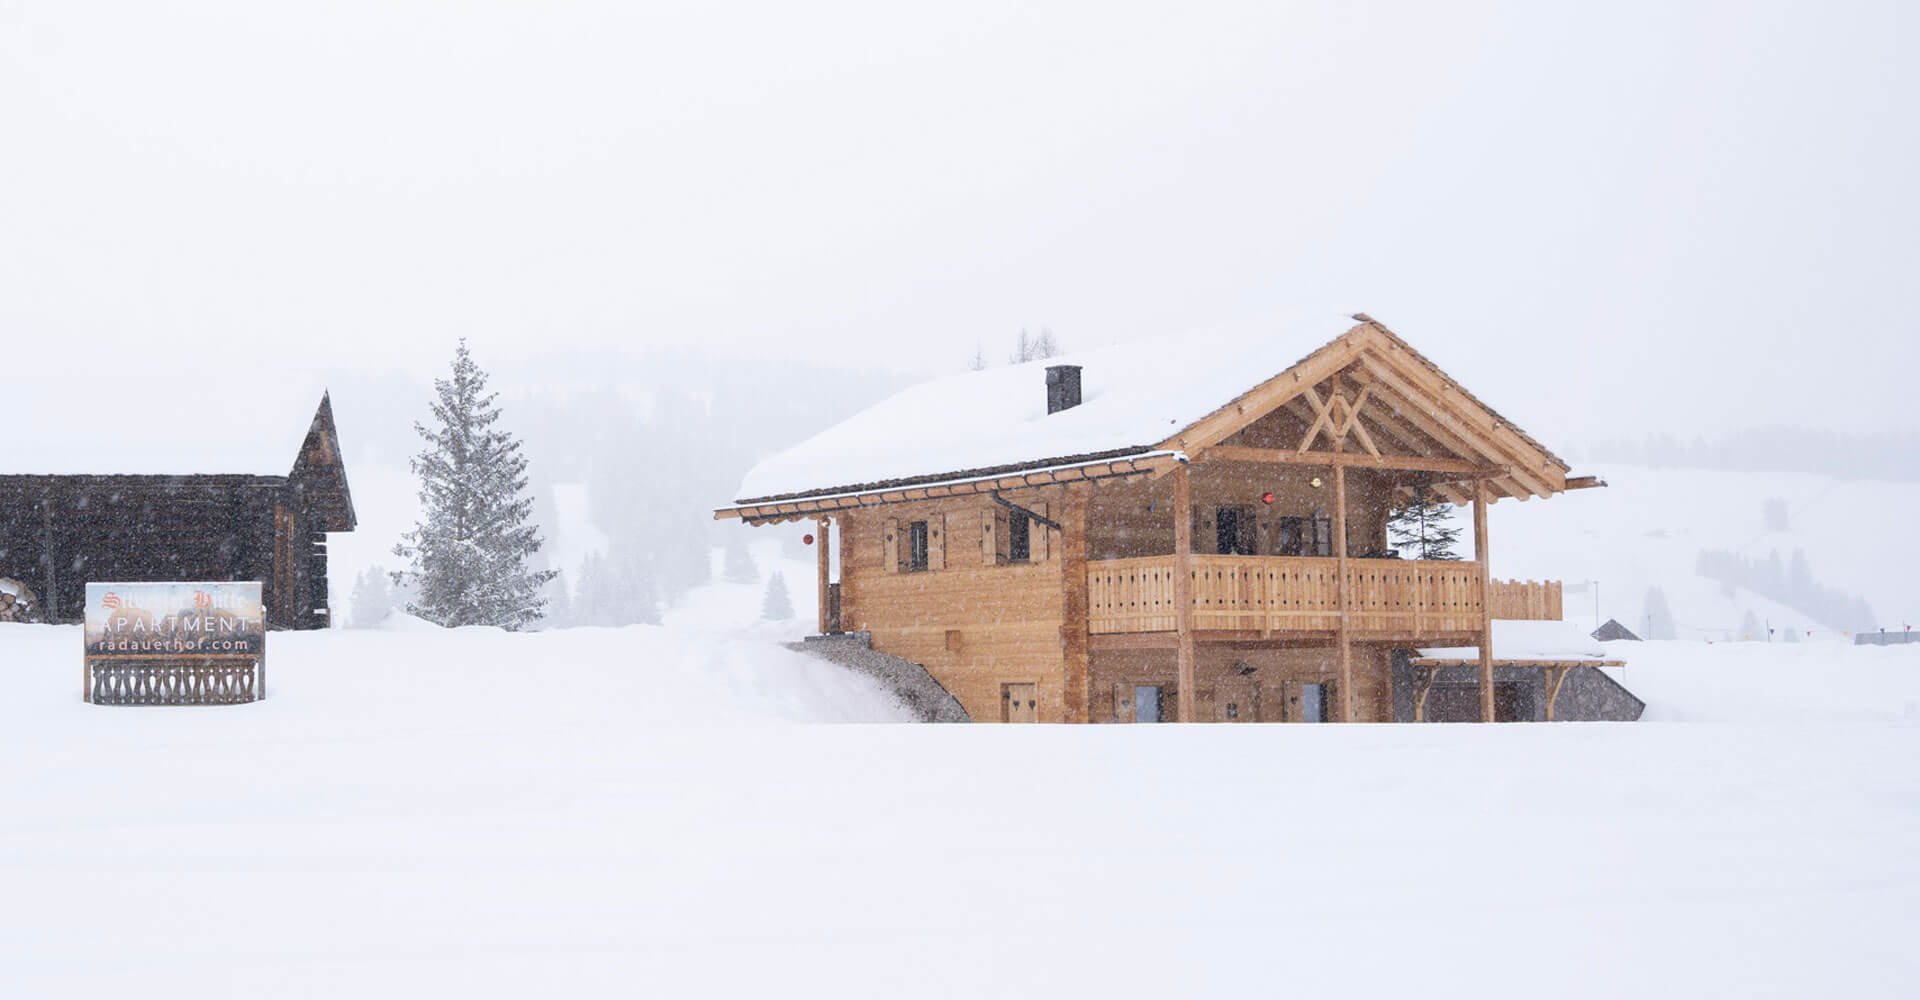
(126, 426)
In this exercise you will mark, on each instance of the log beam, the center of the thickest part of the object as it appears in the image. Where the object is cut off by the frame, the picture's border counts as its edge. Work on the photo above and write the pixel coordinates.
(1350, 459)
(1345, 639)
(1183, 589)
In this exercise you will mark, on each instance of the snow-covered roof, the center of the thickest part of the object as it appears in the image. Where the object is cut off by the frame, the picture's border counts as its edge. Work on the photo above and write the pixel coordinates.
(85, 424)
(1133, 396)
(1561, 641)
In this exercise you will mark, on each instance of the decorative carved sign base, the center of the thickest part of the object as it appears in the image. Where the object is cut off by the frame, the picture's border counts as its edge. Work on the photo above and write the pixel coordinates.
(164, 683)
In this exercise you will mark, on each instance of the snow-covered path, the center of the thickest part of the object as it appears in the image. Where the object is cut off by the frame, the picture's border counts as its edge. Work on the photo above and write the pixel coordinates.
(544, 820)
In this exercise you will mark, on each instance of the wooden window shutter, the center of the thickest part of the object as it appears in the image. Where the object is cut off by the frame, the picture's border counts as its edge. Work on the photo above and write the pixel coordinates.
(989, 539)
(1039, 536)
(890, 552)
(936, 541)
(1002, 538)
(1123, 703)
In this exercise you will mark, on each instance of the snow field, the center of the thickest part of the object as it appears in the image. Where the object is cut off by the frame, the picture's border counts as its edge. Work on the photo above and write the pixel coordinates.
(612, 812)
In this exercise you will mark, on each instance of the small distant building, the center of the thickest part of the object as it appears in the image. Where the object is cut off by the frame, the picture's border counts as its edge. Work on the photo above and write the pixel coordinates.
(172, 519)
(1614, 630)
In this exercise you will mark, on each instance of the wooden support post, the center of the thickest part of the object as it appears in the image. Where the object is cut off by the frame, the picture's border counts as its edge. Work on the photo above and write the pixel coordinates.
(1183, 589)
(1074, 637)
(1486, 599)
(1344, 637)
(822, 537)
(1556, 676)
(1422, 688)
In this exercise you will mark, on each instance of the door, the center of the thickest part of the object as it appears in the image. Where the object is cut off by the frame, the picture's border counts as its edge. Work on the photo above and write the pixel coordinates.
(1019, 703)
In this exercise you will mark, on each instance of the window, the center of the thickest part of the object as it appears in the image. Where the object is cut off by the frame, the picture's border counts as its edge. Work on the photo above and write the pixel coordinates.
(917, 546)
(1313, 702)
(1019, 537)
(1233, 531)
(1146, 704)
(1304, 536)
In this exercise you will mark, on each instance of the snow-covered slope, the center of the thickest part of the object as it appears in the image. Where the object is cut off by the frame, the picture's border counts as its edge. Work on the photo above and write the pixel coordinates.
(1649, 526)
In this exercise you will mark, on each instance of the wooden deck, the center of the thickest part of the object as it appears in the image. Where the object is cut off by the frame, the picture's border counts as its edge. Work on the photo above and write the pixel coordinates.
(1279, 594)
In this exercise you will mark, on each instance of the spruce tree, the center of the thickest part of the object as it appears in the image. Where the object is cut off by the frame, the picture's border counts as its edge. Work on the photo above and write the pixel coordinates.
(468, 555)
(1423, 525)
(738, 564)
(559, 602)
(372, 599)
(776, 606)
(1658, 617)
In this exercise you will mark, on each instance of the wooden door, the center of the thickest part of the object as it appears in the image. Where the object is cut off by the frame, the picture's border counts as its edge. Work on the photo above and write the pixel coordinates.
(1019, 703)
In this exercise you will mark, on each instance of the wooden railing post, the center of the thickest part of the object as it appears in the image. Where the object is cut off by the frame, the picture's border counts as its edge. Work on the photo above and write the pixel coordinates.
(1183, 590)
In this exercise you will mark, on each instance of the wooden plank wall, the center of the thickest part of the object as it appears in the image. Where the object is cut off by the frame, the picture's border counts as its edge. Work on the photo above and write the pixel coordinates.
(1132, 519)
(974, 626)
(1262, 684)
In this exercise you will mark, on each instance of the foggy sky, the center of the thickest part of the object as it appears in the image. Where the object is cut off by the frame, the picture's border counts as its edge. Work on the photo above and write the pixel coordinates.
(1602, 218)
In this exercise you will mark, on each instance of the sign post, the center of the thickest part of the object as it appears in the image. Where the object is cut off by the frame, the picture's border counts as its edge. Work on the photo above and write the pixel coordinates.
(174, 644)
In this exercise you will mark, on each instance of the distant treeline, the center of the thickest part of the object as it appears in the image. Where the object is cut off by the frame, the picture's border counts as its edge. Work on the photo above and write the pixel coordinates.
(1790, 583)
(1889, 456)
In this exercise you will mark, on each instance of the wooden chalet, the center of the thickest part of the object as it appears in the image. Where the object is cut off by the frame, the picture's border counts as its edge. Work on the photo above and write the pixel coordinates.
(60, 530)
(1201, 535)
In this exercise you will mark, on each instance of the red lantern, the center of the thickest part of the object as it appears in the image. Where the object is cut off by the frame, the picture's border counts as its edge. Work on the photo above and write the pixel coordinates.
(1267, 498)
(807, 539)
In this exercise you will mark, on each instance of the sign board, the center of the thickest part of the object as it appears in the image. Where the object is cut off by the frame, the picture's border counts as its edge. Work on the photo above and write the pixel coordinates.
(174, 643)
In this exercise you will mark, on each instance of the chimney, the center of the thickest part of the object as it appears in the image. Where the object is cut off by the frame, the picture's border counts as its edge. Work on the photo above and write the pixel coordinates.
(1063, 387)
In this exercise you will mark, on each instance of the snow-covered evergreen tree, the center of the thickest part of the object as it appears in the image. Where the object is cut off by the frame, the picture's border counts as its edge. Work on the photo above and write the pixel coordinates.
(1658, 618)
(468, 555)
(372, 598)
(777, 605)
(738, 564)
(1422, 526)
(559, 602)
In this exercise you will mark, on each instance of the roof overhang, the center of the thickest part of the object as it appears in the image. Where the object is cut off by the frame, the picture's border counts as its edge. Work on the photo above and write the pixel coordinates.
(774, 510)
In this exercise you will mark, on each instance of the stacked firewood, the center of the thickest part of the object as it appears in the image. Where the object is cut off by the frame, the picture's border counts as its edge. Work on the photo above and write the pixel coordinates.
(17, 603)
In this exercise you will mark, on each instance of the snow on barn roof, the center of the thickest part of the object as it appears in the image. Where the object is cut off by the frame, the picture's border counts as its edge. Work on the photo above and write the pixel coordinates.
(1134, 397)
(156, 426)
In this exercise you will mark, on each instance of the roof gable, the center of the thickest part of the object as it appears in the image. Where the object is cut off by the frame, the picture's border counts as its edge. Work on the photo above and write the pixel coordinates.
(74, 423)
(319, 471)
(1370, 385)
(1185, 394)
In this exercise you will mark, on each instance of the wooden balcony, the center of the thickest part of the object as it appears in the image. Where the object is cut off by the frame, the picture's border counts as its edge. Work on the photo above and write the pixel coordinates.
(1278, 594)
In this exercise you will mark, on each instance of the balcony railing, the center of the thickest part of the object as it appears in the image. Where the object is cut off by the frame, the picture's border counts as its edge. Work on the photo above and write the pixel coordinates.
(1269, 594)
(1529, 601)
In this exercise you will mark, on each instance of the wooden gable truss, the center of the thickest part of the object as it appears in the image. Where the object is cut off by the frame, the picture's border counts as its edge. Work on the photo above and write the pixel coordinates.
(1368, 400)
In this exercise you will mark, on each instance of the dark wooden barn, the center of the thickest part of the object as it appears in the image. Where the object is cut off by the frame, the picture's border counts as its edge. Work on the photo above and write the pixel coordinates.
(57, 532)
